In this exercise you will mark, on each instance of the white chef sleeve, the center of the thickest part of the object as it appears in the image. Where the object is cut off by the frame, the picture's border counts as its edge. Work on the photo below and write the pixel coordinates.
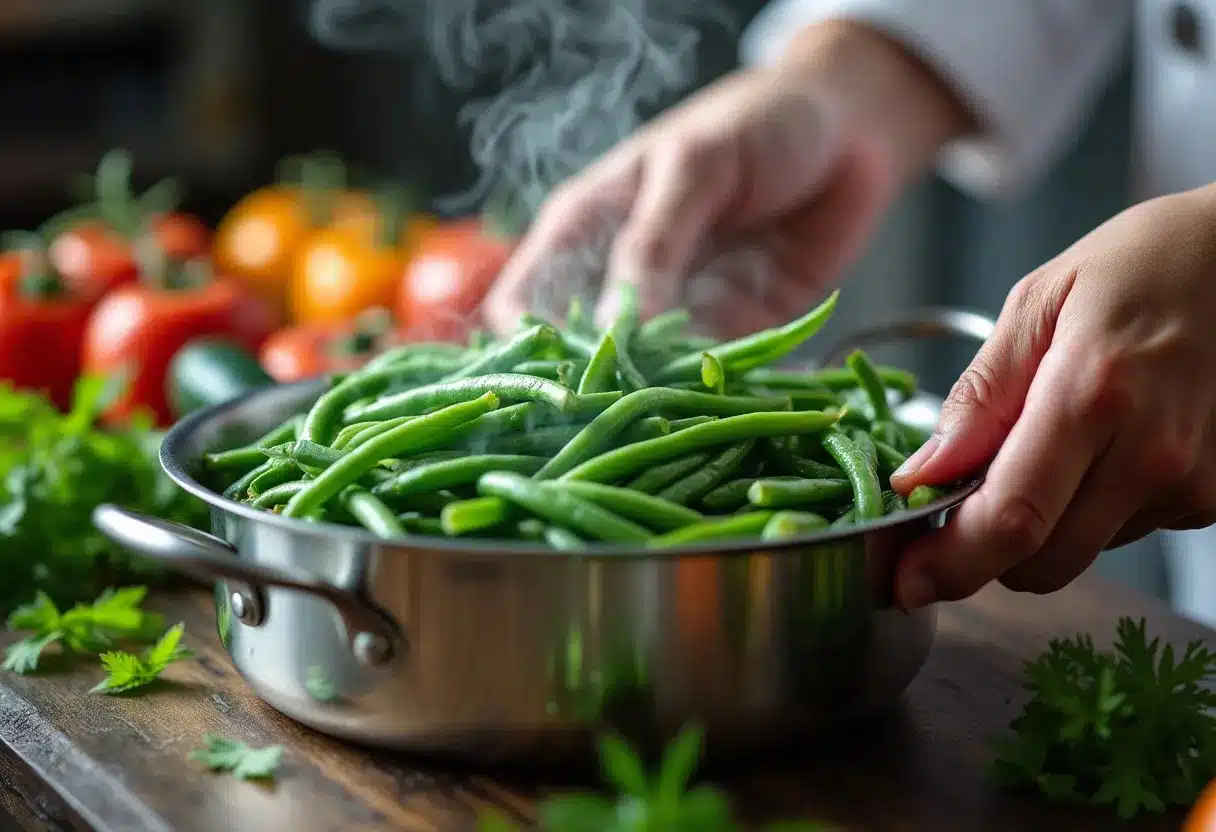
(1029, 70)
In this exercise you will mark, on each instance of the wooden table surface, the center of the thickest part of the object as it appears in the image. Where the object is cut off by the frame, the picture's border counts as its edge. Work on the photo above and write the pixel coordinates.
(71, 761)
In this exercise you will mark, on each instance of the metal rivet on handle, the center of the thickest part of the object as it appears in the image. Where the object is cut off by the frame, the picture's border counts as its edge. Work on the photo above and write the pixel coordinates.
(246, 609)
(371, 649)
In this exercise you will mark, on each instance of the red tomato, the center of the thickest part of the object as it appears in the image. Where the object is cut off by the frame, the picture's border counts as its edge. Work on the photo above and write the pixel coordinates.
(40, 334)
(446, 279)
(137, 329)
(315, 349)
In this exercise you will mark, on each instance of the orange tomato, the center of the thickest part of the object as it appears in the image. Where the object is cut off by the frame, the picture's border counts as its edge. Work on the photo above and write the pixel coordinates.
(449, 273)
(346, 269)
(1202, 817)
(257, 241)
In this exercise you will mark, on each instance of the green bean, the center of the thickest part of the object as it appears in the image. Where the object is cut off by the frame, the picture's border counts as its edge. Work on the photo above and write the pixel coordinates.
(922, 495)
(756, 349)
(545, 368)
(348, 433)
(447, 473)
(570, 373)
(429, 504)
(659, 477)
(308, 455)
(371, 513)
(691, 421)
(622, 330)
(846, 519)
(601, 370)
(278, 495)
(324, 419)
(697, 484)
(603, 429)
(865, 442)
(801, 399)
(286, 471)
(650, 511)
(867, 493)
(591, 405)
(578, 344)
(559, 506)
(234, 461)
(849, 418)
(520, 347)
(400, 466)
(813, 469)
(538, 442)
(563, 539)
(867, 378)
(467, 516)
(729, 496)
(239, 489)
(530, 528)
(577, 318)
(713, 374)
(665, 325)
(416, 523)
(720, 528)
(505, 385)
(798, 493)
(785, 524)
(438, 352)
(893, 502)
(251, 455)
(833, 378)
(911, 437)
(622, 462)
(889, 459)
(885, 431)
(415, 436)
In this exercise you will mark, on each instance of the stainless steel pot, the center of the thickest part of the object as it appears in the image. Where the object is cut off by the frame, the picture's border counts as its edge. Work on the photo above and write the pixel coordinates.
(497, 651)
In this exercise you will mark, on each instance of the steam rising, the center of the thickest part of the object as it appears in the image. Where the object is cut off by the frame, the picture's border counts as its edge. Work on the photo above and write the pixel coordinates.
(570, 79)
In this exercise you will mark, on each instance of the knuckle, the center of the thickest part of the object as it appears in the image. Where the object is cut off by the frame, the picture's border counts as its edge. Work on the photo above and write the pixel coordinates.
(1107, 388)
(1019, 526)
(689, 153)
(645, 248)
(1167, 459)
(1035, 581)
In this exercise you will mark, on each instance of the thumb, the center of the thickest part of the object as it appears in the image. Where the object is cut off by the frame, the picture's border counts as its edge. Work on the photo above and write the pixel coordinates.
(987, 399)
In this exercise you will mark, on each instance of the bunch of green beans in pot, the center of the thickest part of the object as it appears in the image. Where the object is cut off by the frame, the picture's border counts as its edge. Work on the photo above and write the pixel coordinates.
(641, 434)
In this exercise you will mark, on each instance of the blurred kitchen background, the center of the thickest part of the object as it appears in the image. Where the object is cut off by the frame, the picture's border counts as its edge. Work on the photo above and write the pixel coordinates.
(217, 90)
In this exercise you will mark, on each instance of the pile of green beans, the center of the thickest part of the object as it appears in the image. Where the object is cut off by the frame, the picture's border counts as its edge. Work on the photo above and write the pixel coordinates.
(641, 434)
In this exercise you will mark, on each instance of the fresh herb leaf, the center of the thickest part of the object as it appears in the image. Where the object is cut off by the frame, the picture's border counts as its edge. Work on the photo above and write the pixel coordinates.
(1131, 728)
(128, 671)
(86, 628)
(663, 802)
(55, 468)
(243, 762)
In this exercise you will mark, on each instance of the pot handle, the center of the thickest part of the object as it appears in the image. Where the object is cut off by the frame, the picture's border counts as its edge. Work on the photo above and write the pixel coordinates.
(372, 634)
(927, 322)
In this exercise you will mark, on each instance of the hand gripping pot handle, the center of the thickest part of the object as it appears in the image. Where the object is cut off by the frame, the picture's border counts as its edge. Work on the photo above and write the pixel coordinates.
(372, 635)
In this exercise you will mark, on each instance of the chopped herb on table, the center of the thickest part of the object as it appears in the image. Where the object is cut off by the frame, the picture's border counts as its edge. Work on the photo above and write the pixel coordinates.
(128, 672)
(644, 802)
(240, 760)
(1129, 728)
(54, 469)
(89, 629)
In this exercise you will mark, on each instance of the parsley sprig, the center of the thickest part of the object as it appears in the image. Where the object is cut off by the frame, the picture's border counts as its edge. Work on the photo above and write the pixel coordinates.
(86, 629)
(233, 756)
(127, 671)
(1131, 727)
(644, 802)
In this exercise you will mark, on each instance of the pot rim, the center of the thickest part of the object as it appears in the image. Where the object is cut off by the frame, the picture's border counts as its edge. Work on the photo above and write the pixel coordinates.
(179, 470)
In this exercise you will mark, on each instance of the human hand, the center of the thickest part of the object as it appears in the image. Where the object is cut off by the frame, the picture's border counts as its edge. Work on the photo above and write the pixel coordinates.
(1095, 402)
(796, 162)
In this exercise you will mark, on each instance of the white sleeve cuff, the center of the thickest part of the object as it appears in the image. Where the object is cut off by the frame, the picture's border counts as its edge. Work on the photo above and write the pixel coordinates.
(1029, 70)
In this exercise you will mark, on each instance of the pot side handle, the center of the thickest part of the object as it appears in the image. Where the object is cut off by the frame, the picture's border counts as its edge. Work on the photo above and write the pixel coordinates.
(373, 636)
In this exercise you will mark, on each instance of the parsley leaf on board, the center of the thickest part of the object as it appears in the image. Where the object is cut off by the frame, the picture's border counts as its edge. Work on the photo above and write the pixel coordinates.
(128, 671)
(54, 469)
(113, 617)
(644, 802)
(243, 762)
(1131, 728)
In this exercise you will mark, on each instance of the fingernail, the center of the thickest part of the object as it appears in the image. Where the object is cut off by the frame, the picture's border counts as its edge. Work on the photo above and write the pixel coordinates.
(916, 590)
(918, 459)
